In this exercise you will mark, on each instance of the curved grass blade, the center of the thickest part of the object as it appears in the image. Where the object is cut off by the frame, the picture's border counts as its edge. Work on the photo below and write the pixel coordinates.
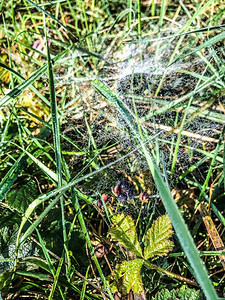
(200, 30)
(176, 218)
(48, 259)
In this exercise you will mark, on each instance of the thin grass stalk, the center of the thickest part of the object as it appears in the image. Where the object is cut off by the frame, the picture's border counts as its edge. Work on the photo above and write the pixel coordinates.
(56, 277)
(139, 18)
(205, 185)
(90, 247)
(153, 8)
(129, 19)
(48, 259)
(84, 285)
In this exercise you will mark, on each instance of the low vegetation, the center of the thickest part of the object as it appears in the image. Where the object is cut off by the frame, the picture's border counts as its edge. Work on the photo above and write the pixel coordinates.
(112, 150)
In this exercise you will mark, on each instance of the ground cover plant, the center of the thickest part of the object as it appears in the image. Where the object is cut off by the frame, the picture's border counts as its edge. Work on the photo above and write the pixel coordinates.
(112, 149)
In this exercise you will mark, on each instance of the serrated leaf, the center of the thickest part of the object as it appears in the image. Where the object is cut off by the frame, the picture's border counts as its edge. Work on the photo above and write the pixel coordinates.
(124, 232)
(181, 294)
(131, 278)
(157, 238)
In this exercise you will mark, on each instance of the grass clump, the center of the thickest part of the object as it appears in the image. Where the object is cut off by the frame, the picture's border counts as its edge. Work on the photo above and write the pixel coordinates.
(111, 119)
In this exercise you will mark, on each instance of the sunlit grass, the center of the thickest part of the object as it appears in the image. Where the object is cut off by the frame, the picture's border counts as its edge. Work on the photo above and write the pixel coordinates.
(162, 69)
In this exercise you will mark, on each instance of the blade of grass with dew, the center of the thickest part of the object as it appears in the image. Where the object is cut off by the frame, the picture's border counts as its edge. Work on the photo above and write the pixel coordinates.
(54, 113)
(203, 29)
(208, 114)
(206, 44)
(176, 218)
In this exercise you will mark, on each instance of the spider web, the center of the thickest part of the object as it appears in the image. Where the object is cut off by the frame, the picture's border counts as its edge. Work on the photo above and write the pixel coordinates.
(135, 76)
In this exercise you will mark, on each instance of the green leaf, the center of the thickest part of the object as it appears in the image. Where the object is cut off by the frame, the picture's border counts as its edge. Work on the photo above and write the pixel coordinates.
(131, 278)
(124, 231)
(181, 294)
(156, 239)
(21, 197)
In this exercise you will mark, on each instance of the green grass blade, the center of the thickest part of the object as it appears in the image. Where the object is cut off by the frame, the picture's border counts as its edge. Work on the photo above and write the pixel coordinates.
(85, 231)
(205, 185)
(48, 259)
(12, 175)
(176, 218)
(54, 113)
